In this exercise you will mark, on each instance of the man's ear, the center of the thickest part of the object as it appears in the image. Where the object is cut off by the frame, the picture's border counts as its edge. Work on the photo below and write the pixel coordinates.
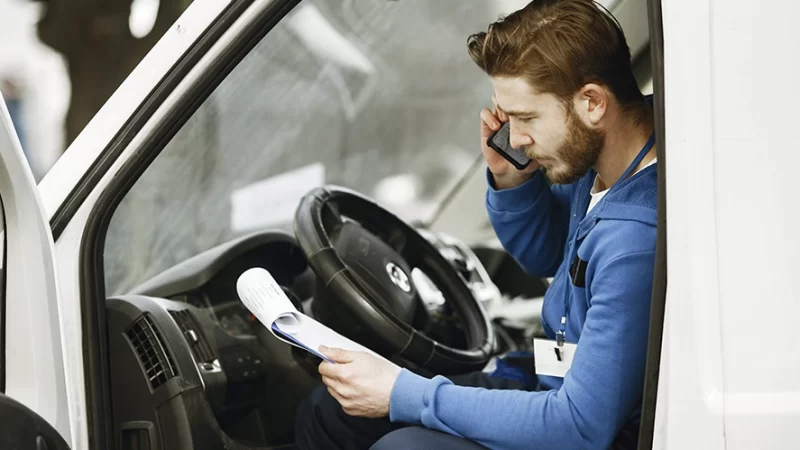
(592, 102)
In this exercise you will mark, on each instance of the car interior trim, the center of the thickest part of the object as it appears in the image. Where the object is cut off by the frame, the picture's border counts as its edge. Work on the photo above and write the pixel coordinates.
(659, 292)
(3, 301)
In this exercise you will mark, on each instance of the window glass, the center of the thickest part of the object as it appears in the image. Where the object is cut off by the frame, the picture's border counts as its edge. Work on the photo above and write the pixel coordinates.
(375, 95)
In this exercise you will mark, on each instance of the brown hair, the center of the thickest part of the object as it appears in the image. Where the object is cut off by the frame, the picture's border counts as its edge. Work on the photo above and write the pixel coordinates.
(559, 46)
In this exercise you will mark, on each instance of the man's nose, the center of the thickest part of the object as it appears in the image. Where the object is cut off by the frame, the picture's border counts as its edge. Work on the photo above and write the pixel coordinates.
(519, 140)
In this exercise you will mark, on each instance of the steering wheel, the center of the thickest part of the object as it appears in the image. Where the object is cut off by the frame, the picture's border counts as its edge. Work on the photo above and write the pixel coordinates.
(362, 254)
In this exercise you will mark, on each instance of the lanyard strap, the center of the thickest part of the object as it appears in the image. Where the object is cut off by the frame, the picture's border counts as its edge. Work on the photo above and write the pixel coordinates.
(642, 153)
(561, 334)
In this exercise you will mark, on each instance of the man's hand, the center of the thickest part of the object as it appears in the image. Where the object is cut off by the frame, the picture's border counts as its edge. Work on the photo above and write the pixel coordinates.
(505, 175)
(360, 382)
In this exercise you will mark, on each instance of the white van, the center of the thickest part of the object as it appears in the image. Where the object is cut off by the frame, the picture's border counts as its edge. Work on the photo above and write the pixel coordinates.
(120, 327)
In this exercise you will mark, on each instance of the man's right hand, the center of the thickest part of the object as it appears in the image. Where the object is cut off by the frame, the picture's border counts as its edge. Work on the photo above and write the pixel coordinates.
(505, 175)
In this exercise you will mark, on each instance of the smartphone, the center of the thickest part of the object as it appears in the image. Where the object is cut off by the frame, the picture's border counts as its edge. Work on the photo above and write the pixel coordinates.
(500, 141)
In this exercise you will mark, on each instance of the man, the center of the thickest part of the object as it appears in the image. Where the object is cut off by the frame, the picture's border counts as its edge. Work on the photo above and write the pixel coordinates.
(562, 78)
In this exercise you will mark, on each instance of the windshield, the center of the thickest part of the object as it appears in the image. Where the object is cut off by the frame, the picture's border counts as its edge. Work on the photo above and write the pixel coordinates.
(375, 95)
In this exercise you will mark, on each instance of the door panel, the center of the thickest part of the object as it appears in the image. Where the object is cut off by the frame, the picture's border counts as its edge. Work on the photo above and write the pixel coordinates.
(34, 367)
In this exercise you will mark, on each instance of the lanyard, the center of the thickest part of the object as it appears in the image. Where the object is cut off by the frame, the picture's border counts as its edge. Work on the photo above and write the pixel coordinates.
(562, 332)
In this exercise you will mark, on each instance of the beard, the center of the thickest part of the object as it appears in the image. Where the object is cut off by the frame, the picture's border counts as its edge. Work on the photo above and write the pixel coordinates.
(578, 153)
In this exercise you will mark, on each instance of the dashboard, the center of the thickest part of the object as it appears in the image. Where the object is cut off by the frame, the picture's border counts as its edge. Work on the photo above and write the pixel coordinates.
(208, 281)
(234, 319)
(230, 314)
(201, 335)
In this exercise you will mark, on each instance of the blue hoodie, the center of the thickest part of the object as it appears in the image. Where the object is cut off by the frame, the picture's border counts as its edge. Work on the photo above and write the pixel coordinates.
(547, 230)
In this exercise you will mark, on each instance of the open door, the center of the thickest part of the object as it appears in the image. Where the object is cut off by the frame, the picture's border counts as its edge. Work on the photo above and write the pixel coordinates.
(34, 411)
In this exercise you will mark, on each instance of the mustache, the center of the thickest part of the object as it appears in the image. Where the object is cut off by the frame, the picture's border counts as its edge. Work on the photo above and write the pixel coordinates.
(529, 152)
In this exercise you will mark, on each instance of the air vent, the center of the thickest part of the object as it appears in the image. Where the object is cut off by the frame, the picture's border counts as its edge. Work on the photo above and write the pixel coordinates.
(203, 352)
(148, 344)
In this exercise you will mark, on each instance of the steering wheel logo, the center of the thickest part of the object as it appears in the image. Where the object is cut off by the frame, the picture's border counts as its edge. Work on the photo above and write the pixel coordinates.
(398, 277)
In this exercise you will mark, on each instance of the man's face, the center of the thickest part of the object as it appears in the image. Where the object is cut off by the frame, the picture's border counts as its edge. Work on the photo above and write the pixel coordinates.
(551, 133)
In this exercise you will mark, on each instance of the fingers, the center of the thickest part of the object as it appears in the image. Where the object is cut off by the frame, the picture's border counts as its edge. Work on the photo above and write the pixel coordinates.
(338, 391)
(334, 387)
(342, 373)
(331, 383)
(499, 113)
(489, 122)
(336, 395)
(347, 405)
(329, 370)
(337, 354)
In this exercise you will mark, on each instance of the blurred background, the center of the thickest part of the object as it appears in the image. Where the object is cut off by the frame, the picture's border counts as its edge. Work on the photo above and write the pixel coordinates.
(60, 60)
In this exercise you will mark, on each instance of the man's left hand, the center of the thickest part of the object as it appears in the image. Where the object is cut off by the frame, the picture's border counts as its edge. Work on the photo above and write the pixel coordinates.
(360, 382)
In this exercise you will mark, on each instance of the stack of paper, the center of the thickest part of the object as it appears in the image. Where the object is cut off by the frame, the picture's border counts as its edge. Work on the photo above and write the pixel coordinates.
(263, 296)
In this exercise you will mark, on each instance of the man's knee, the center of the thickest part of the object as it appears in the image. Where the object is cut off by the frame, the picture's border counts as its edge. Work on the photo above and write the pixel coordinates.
(321, 423)
(311, 414)
(420, 438)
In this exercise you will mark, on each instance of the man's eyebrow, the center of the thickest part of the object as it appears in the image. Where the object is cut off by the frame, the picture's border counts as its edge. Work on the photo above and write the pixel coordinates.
(520, 113)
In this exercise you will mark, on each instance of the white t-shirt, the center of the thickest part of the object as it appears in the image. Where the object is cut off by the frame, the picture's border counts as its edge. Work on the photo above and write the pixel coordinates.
(597, 196)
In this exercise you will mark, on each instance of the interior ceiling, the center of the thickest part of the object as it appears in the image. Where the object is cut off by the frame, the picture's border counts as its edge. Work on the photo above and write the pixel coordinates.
(631, 14)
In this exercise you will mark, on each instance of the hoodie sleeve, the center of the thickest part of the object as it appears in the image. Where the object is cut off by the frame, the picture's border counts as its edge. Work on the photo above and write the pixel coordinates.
(599, 394)
(532, 222)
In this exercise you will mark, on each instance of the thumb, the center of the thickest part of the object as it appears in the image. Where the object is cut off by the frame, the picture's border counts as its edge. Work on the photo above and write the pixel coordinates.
(337, 354)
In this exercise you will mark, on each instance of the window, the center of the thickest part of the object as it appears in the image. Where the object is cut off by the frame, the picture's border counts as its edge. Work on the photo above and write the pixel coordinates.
(374, 95)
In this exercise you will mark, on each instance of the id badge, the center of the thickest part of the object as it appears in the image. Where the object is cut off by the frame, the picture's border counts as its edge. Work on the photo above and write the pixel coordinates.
(552, 360)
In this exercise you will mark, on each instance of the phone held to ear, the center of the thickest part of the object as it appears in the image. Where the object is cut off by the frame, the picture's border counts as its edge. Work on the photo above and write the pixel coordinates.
(500, 141)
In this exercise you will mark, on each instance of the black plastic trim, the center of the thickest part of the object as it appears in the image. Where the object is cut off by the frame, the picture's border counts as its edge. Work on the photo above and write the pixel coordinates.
(146, 339)
(24, 429)
(3, 271)
(659, 293)
(92, 283)
(194, 272)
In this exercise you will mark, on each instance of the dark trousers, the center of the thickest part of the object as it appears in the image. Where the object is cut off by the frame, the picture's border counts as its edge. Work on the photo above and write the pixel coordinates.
(323, 425)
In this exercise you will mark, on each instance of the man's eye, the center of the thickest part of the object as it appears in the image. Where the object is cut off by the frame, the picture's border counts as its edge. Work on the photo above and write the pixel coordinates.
(526, 119)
